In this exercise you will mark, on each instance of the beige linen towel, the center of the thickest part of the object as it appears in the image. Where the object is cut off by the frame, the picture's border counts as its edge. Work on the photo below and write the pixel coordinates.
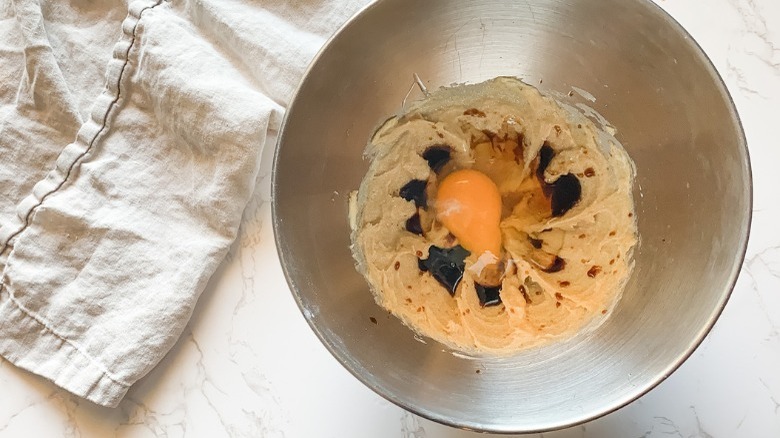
(125, 167)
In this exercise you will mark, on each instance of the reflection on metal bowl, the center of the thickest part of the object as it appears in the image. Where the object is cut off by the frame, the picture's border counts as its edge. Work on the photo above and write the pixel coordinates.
(693, 197)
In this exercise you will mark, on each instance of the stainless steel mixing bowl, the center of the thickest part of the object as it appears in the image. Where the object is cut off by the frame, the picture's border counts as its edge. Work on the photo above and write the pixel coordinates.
(693, 197)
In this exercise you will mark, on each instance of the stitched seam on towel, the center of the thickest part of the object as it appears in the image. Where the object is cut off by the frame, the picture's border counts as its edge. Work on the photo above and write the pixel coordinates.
(76, 162)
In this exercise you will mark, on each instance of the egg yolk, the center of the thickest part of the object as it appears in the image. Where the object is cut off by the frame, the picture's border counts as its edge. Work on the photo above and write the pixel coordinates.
(469, 205)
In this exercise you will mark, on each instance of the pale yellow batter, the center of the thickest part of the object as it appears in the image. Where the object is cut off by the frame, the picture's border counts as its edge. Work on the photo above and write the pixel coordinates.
(558, 271)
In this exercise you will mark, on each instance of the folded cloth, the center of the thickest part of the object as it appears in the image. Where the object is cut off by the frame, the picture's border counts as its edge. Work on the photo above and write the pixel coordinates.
(106, 241)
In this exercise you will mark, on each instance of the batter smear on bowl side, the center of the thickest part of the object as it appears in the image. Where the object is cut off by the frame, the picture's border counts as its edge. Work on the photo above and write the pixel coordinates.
(492, 219)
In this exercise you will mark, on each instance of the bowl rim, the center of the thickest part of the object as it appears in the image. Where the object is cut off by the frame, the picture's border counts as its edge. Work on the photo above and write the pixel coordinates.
(608, 409)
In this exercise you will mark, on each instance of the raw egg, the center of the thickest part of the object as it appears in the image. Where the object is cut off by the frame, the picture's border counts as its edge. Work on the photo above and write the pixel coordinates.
(469, 205)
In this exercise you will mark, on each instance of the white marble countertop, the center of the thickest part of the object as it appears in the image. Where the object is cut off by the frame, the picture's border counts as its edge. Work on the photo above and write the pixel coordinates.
(248, 364)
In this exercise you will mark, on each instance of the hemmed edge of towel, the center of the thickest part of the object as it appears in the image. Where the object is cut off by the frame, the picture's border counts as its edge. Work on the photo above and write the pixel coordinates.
(54, 358)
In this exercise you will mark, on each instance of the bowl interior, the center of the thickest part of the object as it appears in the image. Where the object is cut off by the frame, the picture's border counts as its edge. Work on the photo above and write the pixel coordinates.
(693, 196)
